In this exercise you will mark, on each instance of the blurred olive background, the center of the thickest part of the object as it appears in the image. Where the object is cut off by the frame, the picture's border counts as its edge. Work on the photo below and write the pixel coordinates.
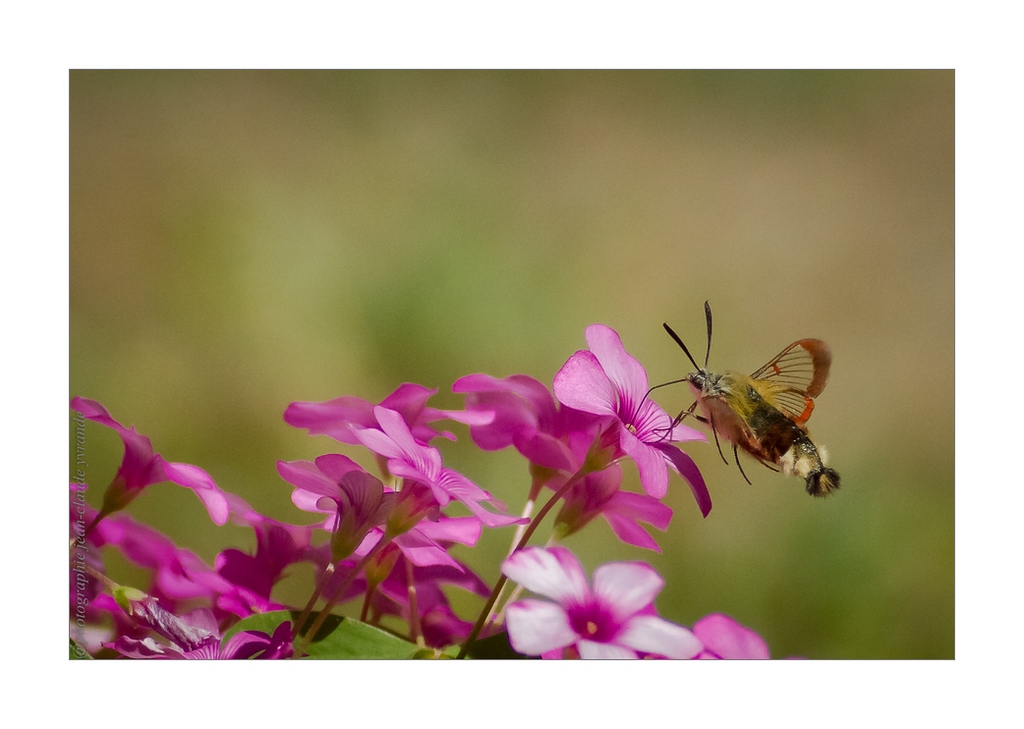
(242, 240)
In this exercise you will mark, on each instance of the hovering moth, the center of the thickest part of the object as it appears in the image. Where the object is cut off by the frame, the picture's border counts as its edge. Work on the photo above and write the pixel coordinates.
(766, 413)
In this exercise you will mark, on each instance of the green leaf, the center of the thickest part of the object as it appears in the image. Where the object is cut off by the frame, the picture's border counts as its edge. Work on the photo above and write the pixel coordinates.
(337, 638)
(497, 646)
(264, 623)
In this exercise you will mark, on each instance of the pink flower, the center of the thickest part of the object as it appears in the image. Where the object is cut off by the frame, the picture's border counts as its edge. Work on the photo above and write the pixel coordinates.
(278, 546)
(557, 440)
(599, 494)
(355, 500)
(613, 619)
(609, 382)
(723, 637)
(194, 635)
(409, 459)
(336, 418)
(141, 467)
(327, 486)
(178, 575)
(526, 415)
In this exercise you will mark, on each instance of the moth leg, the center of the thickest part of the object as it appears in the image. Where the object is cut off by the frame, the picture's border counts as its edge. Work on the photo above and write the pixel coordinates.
(739, 465)
(679, 418)
(769, 466)
(719, 445)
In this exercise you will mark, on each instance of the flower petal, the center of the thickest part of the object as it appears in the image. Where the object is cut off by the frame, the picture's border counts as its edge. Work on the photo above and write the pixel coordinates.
(625, 372)
(684, 465)
(195, 478)
(626, 587)
(589, 650)
(554, 573)
(583, 385)
(649, 462)
(724, 637)
(537, 626)
(651, 634)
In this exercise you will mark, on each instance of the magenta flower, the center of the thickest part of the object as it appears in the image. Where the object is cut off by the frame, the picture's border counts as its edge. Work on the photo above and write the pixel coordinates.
(613, 619)
(178, 575)
(141, 467)
(599, 494)
(609, 382)
(526, 415)
(326, 486)
(278, 546)
(194, 635)
(356, 500)
(409, 459)
(723, 637)
(336, 418)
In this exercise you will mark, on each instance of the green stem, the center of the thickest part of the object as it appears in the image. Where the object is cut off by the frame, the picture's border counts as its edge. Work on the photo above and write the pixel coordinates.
(338, 593)
(415, 629)
(500, 584)
(321, 583)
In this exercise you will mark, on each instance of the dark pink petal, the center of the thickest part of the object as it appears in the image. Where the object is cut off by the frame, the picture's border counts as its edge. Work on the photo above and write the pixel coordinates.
(725, 638)
(583, 385)
(629, 532)
(460, 529)
(651, 634)
(518, 402)
(409, 399)
(142, 649)
(553, 573)
(195, 478)
(333, 418)
(140, 466)
(626, 587)
(639, 507)
(684, 466)
(625, 510)
(421, 551)
(335, 465)
(536, 626)
(305, 476)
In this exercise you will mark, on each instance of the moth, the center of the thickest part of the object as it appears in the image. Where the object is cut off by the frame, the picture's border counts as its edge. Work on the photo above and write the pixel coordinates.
(766, 413)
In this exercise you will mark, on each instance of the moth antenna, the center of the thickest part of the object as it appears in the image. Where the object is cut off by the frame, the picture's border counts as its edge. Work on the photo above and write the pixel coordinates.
(681, 345)
(740, 465)
(707, 314)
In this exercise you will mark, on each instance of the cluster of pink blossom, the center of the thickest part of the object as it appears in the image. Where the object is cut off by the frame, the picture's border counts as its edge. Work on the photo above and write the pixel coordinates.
(387, 539)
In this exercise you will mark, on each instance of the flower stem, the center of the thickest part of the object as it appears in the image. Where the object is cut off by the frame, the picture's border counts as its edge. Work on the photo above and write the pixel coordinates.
(500, 584)
(337, 596)
(415, 629)
(321, 583)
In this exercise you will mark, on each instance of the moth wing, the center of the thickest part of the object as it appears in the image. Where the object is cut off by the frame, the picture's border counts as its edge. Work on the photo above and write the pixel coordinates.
(795, 404)
(796, 375)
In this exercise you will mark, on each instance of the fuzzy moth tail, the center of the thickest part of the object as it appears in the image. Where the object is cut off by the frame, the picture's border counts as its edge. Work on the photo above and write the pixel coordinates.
(822, 482)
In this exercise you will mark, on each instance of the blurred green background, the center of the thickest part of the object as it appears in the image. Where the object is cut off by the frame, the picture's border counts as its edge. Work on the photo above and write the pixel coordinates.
(242, 240)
